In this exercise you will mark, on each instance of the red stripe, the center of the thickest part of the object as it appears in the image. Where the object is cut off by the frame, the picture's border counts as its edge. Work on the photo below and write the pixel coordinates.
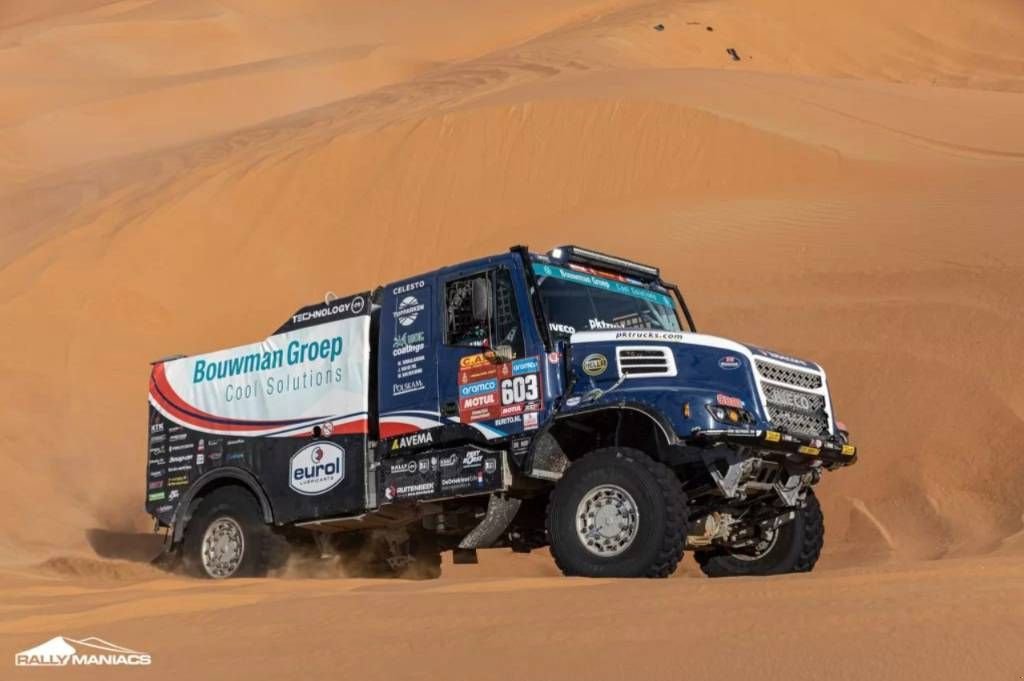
(391, 429)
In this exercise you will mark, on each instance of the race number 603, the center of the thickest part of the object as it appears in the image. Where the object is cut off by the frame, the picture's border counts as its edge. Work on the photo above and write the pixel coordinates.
(520, 389)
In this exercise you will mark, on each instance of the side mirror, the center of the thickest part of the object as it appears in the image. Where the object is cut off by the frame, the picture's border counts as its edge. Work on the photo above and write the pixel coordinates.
(503, 354)
(481, 299)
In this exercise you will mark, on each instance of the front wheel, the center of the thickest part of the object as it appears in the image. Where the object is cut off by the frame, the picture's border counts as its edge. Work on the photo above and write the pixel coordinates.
(794, 547)
(617, 513)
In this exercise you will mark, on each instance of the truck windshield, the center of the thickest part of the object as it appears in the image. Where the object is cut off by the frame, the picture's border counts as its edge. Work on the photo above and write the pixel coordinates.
(577, 298)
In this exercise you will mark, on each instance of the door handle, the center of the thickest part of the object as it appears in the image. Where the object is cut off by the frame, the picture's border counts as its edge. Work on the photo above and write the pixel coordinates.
(450, 409)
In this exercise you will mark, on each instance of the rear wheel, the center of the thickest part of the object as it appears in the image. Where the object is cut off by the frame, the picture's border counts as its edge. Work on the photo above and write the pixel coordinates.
(617, 513)
(794, 547)
(227, 537)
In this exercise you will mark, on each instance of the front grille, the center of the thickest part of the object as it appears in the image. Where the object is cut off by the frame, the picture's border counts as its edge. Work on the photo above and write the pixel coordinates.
(796, 411)
(779, 374)
(637, 362)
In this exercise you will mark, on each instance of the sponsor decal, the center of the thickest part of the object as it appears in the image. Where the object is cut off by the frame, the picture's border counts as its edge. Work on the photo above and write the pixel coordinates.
(177, 481)
(527, 365)
(178, 448)
(408, 342)
(530, 420)
(595, 324)
(165, 508)
(181, 458)
(156, 451)
(394, 491)
(156, 496)
(178, 469)
(490, 465)
(408, 288)
(157, 462)
(322, 312)
(157, 427)
(407, 387)
(472, 458)
(553, 357)
(296, 352)
(156, 474)
(156, 485)
(235, 456)
(200, 459)
(316, 468)
(507, 421)
(414, 440)
(473, 403)
(593, 278)
(423, 465)
(594, 364)
(670, 336)
(573, 401)
(478, 360)
(479, 387)
(408, 310)
(729, 362)
(60, 651)
(403, 467)
(157, 439)
(173, 494)
(564, 329)
(449, 461)
(729, 401)
(783, 358)
(178, 437)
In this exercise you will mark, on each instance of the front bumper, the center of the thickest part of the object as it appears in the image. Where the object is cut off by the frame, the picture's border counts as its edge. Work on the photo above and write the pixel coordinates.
(802, 448)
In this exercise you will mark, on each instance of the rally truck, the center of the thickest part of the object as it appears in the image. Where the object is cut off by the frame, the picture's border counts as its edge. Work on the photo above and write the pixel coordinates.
(518, 401)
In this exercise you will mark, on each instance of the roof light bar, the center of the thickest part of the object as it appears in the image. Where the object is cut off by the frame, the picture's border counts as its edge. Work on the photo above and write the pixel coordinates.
(585, 255)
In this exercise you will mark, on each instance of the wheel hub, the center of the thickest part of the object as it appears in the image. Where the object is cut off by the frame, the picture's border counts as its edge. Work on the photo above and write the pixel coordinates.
(760, 549)
(607, 520)
(223, 547)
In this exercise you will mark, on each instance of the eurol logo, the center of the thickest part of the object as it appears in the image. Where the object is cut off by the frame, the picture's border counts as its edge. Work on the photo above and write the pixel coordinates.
(316, 468)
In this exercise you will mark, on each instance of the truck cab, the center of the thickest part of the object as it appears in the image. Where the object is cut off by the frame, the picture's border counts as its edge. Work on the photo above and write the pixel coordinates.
(521, 400)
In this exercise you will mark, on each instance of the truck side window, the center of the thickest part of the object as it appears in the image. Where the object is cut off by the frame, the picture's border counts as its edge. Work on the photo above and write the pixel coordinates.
(501, 326)
(507, 329)
(464, 328)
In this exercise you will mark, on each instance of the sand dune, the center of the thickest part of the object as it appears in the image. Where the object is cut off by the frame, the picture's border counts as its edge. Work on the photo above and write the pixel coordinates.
(177, 176)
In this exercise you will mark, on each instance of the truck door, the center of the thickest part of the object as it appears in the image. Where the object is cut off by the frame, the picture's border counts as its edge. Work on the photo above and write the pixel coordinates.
(407, 393)
(490, 360)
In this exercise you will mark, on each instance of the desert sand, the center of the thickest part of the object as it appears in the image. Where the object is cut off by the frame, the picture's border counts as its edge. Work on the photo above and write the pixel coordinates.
(180, 176)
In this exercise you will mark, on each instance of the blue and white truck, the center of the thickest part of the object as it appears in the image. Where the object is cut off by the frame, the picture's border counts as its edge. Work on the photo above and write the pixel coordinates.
(520, 400)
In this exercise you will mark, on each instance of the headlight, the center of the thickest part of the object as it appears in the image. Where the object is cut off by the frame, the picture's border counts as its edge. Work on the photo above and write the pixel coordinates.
(732, 416)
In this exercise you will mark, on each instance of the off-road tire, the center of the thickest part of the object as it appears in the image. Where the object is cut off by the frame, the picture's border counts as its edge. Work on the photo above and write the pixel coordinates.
(262, 549)
(661, 511)
(796, 550)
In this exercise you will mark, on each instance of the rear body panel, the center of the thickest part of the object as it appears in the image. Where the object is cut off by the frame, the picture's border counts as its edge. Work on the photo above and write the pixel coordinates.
(258, 408)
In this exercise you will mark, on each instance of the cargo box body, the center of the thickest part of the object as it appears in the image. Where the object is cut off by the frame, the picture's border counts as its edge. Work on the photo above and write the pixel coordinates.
(290, 411)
